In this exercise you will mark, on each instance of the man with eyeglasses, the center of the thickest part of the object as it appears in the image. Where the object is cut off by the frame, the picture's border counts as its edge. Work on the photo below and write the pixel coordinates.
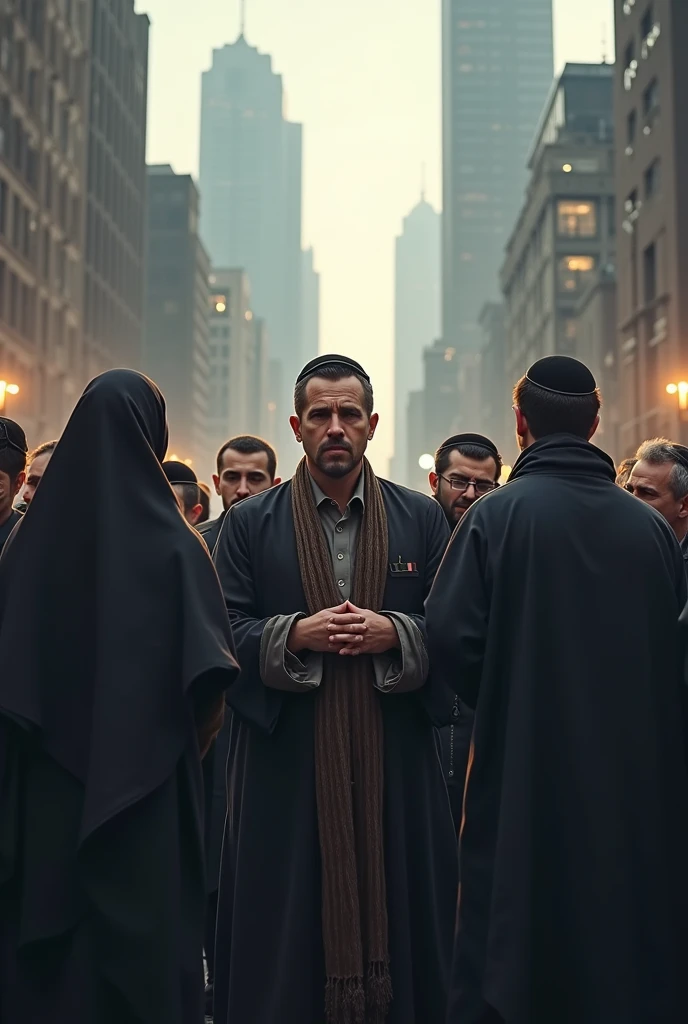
(13, 449)
(466, 467)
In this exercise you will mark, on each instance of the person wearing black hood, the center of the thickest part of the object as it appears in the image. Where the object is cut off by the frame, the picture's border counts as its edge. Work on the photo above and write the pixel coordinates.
(574, 895)
(467, 466)
(116, 650)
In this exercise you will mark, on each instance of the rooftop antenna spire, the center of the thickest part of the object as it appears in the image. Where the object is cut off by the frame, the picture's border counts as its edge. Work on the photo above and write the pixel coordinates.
(242, 30)
(604, 43)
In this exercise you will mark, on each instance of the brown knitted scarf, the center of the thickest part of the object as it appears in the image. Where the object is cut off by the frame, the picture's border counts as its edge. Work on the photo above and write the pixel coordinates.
(349, 770)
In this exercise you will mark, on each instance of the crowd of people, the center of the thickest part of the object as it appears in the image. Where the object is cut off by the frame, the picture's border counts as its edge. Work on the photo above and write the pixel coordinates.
(251, 766)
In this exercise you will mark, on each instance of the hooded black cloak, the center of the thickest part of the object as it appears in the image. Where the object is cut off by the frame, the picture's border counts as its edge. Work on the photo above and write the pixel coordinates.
(556, 612)
(114, 643)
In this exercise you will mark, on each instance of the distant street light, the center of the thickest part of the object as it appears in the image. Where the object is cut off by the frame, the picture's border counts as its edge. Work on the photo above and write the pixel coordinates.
(5, 390)
(680, 389)
(426, 462)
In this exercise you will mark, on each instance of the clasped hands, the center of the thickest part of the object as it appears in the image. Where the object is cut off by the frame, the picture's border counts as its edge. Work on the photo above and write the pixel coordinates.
(345, 630)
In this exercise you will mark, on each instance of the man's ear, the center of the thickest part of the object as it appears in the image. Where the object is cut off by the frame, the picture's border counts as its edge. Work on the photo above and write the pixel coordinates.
(434, 480)
(521, 423)
(593, 429)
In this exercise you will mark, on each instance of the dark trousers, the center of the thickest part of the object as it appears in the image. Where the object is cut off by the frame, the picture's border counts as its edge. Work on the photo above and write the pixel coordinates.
(209, 941)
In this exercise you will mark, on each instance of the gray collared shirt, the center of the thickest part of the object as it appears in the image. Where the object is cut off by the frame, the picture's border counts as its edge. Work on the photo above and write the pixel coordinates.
(401, 670)
(341, 532)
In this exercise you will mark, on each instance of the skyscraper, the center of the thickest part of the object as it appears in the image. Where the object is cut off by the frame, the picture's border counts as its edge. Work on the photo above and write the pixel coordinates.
(251, 182)
(43, 111)
(652, 213)
(116, 187)
(176, 346)
(497, 70)
(417, 316)
(310, 307)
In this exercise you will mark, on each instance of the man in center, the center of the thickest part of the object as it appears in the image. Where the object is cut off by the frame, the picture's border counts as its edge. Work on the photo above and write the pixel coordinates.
(338, 885)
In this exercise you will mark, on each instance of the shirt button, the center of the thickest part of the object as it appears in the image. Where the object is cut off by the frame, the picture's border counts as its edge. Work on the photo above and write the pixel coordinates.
(451, 774)
(340, 583)
(340, 556)
(339, 529)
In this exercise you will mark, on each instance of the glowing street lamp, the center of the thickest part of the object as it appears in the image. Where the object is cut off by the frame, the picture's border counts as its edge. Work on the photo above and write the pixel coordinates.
(681, 389)
(426, 462)
(6, 389)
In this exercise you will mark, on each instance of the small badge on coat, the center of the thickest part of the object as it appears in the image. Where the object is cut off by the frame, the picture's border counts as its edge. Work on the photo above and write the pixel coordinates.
(401, 568)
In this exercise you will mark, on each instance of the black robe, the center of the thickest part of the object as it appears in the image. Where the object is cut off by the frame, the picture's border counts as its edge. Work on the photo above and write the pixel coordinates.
(556, 610)
(114, 646)
(269, 957)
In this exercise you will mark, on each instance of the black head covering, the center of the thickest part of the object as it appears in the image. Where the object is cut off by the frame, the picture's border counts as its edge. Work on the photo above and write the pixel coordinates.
(562, 375)
(109, 620)
(179, 472)
(12, 436)
(316, 364)
(477, 440)
(681, 453)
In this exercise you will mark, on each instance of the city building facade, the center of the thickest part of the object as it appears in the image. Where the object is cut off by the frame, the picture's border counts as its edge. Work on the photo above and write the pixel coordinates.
(432, 411)
(651, 86)
(416, 317)
(497, 66)
(43, 115)
(251, 183)
(231, 355)
(310, 307)
(565, 235)
(176, 350)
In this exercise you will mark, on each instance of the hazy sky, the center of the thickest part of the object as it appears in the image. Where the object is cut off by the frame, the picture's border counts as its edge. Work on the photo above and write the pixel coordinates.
(364, 79)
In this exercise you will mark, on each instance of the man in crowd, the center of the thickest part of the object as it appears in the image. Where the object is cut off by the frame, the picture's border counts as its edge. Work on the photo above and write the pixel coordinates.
(329, 909)
(35, 468)
(574, 896)
(660, 478)
(13, 450)
(467, 466)
(246, 465)
(184, 483)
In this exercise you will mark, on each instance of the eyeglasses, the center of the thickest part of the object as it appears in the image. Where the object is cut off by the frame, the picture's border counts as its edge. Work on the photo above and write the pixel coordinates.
(462, 483)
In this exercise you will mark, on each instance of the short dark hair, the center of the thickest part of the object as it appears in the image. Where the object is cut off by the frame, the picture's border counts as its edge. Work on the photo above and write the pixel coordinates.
(43, 449)
(332, 371)
(248, 444)
(204, 501)
(548, 412)
(469, 451)
(659, 451)
(13, 457)
(189, 494)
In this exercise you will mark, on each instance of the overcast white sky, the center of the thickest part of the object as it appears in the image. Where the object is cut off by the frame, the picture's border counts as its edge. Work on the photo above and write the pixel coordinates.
(364, 79)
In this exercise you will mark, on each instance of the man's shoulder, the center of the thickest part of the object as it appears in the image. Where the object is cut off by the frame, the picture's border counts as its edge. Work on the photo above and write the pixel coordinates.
(259, 505)
(415, 501)
(209, 526)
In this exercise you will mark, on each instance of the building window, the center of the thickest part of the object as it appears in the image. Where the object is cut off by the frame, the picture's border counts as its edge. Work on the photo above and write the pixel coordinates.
(650, 31)
(631, 131)
(576, 218)
(574, 272)
(650, 274)
(651, 98)
(653, 179)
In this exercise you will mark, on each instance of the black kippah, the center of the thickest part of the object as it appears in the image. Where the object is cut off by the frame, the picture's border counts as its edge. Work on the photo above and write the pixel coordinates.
(478, 440)
(179, 472)
(562, 375)
(311, 368)
(12, 435)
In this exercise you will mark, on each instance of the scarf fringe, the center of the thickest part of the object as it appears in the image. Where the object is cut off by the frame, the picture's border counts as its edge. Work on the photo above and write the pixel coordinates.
(378, 993)
(345, 1001)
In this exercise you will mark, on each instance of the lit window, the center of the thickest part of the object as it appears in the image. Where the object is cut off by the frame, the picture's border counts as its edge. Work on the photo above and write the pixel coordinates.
(574, 272)
(576, 218)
